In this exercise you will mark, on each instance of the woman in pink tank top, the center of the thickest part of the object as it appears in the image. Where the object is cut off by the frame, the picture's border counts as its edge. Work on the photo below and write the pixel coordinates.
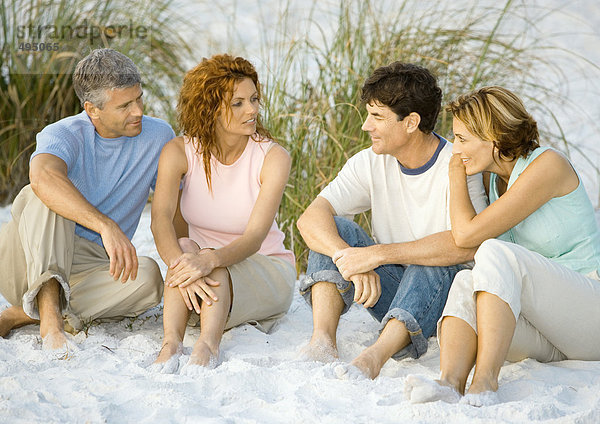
(231, 267)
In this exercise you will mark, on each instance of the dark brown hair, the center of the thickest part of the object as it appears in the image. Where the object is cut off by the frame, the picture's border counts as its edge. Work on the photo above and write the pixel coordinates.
(405, 88)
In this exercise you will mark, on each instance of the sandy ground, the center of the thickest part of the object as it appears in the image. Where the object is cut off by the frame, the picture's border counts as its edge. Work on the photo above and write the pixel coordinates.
(260, 378)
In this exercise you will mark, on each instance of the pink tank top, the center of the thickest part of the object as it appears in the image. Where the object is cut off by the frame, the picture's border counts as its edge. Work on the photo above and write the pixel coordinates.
(218, 218)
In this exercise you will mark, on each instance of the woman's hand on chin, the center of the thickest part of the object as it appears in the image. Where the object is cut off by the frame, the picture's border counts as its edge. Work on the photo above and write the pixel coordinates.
(456, 167)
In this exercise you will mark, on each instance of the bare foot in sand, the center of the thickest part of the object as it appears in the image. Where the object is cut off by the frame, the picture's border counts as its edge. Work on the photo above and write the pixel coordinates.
(167, 361)
(168, 350)
(204, 355)
(54, 340)
(13, 317)
(369, 362)
(319, 349)
(421, 389)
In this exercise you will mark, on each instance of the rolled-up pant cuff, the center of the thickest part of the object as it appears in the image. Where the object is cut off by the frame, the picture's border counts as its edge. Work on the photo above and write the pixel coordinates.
(345, 288)
(30, 306)
(418, 345)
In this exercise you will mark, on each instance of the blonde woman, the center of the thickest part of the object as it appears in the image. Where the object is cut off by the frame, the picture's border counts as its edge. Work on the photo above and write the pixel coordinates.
(534, 290)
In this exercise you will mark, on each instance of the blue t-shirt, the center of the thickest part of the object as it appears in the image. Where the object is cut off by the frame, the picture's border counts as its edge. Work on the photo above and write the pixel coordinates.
(114, 174)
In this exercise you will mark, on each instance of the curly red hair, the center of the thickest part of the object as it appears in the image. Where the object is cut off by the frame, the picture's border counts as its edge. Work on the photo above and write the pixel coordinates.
(206, 89)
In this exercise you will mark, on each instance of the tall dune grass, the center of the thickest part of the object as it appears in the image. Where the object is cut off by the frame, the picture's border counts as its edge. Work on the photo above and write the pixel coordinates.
(35, 86)
(312, 71)
(312, 95)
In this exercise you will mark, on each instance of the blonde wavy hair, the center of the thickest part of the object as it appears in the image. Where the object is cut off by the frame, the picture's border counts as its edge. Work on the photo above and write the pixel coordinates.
(206, 89)
(496, 114)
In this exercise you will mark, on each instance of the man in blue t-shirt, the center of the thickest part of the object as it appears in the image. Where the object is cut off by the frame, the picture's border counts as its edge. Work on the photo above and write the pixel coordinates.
(67, 251)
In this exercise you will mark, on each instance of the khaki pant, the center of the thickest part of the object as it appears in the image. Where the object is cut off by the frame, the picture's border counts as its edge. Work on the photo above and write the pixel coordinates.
(37, 245)
(262, 292)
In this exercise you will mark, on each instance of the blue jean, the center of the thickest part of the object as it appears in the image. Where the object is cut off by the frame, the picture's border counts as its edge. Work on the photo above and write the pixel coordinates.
(414, 295)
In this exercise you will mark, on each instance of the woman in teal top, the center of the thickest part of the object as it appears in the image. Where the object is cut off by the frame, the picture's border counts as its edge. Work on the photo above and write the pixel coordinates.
(534, 291)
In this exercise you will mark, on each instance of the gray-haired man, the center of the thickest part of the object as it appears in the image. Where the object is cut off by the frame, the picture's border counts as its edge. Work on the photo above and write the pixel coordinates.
(67, 250)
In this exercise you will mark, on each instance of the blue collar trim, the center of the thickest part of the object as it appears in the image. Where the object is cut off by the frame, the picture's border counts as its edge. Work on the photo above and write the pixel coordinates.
(424, 168)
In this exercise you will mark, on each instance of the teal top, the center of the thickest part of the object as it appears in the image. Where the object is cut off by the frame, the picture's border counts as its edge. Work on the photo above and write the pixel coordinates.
(564, 229)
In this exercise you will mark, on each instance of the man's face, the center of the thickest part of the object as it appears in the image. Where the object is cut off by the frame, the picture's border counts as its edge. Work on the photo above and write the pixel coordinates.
(121, 114)
(387, 133)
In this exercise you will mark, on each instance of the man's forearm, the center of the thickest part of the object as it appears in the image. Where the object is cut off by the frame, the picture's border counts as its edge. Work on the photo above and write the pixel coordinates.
(437, 249)
(318, 229)
(59, 194)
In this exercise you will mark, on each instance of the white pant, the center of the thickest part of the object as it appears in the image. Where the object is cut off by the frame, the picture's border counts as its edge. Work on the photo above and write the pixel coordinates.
(557, 309)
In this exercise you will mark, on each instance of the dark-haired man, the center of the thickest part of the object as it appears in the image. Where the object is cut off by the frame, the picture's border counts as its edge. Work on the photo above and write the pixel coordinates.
(67, 251)
(402, 276)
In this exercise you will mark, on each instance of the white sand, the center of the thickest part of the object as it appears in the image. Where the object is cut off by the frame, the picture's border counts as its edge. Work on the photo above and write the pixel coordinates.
(260, 379)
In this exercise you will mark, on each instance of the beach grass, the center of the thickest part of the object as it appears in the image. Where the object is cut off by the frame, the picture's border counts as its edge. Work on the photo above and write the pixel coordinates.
(36, 85)
(313, 63)
(312, 103)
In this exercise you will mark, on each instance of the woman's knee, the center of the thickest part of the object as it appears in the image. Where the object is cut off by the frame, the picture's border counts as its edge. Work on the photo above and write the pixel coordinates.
(493, 251)
(188, 245)
(221, 275)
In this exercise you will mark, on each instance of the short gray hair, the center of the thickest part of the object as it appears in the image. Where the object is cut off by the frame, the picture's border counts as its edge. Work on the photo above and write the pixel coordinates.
(101, 70)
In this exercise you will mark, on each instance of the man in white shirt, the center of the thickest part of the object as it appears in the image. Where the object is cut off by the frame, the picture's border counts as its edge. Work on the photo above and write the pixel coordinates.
(403, 275)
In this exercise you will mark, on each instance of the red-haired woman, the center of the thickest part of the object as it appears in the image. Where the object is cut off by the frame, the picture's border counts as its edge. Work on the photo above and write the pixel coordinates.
(232, 268)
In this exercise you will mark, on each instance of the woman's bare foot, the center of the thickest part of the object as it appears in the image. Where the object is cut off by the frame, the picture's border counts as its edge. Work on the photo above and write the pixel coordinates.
(481, 385)
(167, 351)
(204, 355)
(421, 389)
(167, 361)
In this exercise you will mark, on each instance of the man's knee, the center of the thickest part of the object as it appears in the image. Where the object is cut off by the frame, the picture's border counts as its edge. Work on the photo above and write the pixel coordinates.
(351, 232)
(150, 279)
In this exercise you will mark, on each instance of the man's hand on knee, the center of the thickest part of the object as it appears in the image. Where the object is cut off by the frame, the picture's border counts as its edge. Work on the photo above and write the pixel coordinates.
(367, 288)
(122, 254)
(354, 260)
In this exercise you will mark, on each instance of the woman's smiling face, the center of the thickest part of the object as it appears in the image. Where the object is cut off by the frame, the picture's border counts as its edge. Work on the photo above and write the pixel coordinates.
(477, 154)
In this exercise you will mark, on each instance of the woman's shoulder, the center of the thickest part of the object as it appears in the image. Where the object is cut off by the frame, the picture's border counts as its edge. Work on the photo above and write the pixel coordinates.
(268, 145)
(175, 146)
(555, 168)
(550, 159)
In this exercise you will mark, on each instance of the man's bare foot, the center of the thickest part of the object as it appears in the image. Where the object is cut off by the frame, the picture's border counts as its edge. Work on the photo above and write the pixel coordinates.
(13, 317)
(319, 349)
(204, 355)
(54, 340)
(369, 362)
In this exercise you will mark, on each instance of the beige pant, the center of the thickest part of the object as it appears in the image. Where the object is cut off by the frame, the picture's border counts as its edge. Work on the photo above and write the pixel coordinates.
(556, 309)
(37, 245)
